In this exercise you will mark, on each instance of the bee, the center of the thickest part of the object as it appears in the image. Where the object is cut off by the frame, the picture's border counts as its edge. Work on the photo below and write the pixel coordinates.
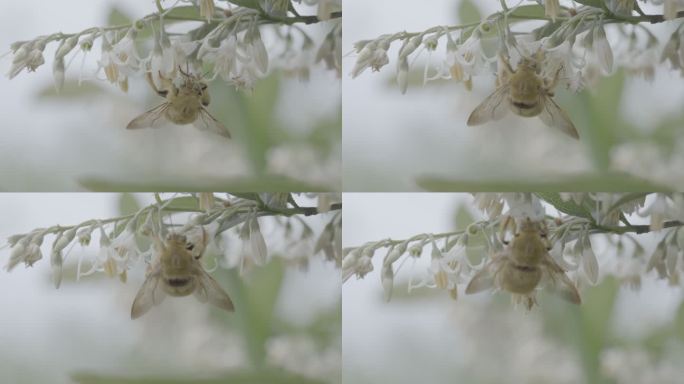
(178, 272)
(185, 104)
(523, 265)
(525, 93)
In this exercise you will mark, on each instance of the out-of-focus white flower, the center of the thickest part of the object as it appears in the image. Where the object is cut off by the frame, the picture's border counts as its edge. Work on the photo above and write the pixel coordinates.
(629, 365)
(302, 355)
(551, 9)
(671, 7)
(207, 9)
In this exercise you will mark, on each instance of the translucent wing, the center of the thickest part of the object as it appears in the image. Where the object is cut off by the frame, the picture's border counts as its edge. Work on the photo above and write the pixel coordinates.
(152, 118)
(206, 122)
(494, 107)
(558, 282)
(209, 290)
(553, 116)
(149, 294)
(483, 280)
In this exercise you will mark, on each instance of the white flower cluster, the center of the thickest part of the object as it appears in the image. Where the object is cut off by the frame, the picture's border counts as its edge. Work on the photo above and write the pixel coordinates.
(462, 257)
(229, 42)
(574, 44)
(118, 237)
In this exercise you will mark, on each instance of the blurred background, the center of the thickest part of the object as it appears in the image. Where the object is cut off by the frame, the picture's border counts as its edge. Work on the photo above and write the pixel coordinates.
(286, 135)
(286, 327)
(630, 128)
(618, 335)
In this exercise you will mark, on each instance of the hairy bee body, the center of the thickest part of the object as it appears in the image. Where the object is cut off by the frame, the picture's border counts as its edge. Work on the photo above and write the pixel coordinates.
(178, 272)
(525, 93)
(524, 96)
(523, 265)
(185, 104)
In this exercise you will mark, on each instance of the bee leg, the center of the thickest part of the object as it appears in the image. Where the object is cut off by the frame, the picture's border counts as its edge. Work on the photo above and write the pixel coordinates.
(507, 65)
(508, 222)
(550, 85)
(150, 81)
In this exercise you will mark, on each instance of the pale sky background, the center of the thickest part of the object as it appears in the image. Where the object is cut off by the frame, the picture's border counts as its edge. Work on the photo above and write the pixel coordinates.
(86, 325)
(424, 131)
(423, 339)
(47, 145)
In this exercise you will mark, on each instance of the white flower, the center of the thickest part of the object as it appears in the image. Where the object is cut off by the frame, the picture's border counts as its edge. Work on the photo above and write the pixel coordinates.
(207, 9)
(28, 56)
(551, 9)
(373, 55)
(470, 55)
(254, 49)
(602, 50)
(490, 203)
(224, 57)
(658, 211)
(559, 60)
(114, 256)
(523, 206)
(168, 55)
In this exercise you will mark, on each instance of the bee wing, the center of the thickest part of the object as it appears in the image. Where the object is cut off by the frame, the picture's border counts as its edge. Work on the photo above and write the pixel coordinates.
(494, 107)
(209, 290)
(553, 116)
(206, 122)
(559, 283)
(149, 294)
(483, 280)
(152, 118)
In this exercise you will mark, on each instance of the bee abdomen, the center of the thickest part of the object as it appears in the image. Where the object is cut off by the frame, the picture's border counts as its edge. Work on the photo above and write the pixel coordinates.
(523, 105)
(178, 282)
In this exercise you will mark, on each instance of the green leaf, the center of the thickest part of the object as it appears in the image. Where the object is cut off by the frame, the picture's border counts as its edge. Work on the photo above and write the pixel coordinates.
(186, 11)
(591, 3)
(128, 204)
(608, 182)
(463, 218)
(266, 183)
(243, 377)
(468, 12)
(260, 121)
(594, 322)
(117, 17)
(529, 12)
(253, 4)
(568, 207)
(189, 203)
(599, 120)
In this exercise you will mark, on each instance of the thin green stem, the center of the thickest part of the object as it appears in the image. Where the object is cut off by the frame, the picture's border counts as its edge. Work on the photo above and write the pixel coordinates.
(637, 229)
